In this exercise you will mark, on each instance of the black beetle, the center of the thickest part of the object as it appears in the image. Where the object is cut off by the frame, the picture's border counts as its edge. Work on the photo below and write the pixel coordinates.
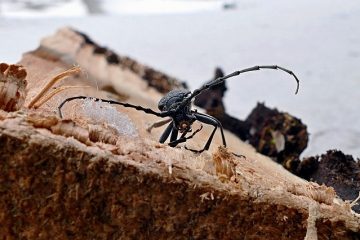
(177, 105)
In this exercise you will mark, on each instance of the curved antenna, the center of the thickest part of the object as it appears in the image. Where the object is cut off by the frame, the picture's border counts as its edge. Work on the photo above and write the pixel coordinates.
(222, 79)
(139, 108)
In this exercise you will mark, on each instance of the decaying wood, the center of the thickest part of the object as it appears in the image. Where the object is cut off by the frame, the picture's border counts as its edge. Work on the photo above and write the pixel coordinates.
(12, 87)
(279, 135)
(335, 169)
(75, 178)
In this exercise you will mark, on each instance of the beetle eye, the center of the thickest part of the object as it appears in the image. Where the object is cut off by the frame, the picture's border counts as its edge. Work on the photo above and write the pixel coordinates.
(161, 107)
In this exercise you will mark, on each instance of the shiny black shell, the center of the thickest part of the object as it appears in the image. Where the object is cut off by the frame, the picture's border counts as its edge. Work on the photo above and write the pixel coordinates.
(172, 98)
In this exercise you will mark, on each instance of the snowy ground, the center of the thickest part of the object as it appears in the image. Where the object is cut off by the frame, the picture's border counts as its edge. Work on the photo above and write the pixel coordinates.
(318, 40)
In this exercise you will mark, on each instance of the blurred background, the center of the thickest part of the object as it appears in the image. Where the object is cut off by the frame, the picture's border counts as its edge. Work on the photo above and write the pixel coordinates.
(187, 39)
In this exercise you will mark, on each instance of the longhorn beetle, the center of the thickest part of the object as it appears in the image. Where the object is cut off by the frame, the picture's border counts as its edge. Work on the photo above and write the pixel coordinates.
(176, 104)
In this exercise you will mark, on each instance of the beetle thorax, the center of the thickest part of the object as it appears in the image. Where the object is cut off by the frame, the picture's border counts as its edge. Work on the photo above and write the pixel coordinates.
(182, 117)
(172, 99)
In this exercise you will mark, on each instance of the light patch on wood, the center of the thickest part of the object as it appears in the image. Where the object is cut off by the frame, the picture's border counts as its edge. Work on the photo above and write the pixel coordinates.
(279, 140)
(321, 194)
(355, 202)
(225, 163)
(311, 230)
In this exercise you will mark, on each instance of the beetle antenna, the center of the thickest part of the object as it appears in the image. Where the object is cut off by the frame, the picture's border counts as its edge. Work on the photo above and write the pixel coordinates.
(139, 108)
(222, 79)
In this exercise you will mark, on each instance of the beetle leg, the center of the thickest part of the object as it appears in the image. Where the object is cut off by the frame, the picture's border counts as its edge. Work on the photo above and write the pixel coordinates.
(211, 121)
(174, 134)
(166, 133)
(205, 116)
(183, 138)
(174, 142)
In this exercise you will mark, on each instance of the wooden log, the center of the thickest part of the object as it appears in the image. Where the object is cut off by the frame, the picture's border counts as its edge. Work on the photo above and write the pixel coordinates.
(81, 178)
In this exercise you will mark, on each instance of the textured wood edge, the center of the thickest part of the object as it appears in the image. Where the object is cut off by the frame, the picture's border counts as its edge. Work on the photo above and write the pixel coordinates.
(53, 186)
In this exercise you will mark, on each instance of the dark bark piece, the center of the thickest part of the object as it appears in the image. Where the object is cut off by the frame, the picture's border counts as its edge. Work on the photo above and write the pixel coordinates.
(277, 135)
(334, 169)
